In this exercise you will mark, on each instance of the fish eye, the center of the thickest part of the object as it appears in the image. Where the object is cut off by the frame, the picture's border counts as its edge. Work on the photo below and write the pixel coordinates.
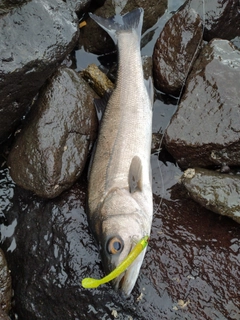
(115, 245)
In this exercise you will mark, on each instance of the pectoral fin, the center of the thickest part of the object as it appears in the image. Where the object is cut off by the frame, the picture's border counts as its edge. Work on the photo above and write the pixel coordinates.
(135, 175)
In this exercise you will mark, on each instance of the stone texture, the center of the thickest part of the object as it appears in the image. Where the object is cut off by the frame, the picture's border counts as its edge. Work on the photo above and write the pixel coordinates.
(218, 192)
(78, 5)
(205, 130)
(35, 38)
(97, 80)
(175, 51)
(220, 18)
(192, 255)
(51, 151)
(5, 287)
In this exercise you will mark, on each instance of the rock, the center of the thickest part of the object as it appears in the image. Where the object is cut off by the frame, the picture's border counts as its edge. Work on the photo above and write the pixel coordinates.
(175, 50)
(215, 191)
(50, 249)
(205, 130)
(147, 67)
(5, 288)
(35, 38)
(221, 18)
(50, 153)
(3, 315)
(97, 80)
(156, 142)
(55, 251)
(79, 5)
(94, 39)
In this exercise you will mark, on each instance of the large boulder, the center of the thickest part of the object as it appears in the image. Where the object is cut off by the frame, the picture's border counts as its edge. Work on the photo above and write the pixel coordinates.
(35, 38)
(220, 17)
(51, 151)
(205, 130)
(175, 50)
(218, 192)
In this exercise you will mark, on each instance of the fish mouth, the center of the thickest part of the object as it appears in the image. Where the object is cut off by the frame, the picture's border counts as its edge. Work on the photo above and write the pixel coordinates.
(122, 284)
(125, 282)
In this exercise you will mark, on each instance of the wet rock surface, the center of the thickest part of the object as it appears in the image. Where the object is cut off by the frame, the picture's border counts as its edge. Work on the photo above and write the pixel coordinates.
(97, 80)
(35, 37)
(50, 153)
(79, 5)
(218, 192)
(94, 39)
(5, 288)
(175, 50)
(205, 129)
(221, 18)
(190, 271)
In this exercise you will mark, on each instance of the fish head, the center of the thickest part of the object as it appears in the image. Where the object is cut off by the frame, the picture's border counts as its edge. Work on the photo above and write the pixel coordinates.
(122, 227)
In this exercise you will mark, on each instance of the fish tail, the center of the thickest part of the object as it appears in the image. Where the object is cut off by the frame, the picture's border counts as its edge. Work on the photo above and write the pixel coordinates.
(130, 22)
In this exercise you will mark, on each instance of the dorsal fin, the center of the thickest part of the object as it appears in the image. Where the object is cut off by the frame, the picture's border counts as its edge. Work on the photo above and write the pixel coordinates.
(135, 175)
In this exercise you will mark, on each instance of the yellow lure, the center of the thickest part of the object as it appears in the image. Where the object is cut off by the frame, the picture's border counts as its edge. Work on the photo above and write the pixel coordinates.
(90, 283)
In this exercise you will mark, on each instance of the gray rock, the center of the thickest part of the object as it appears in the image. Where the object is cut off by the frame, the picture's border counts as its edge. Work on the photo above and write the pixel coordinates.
(50, 153)
(175, 50)
(55, 251)
(221, 18)
(94, 39)
(5, 287)
(35, 37)
(218, 192)
(205, 130)
(79, 5)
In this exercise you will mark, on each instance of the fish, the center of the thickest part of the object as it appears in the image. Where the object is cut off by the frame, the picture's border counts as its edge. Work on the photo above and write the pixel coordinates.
(120, 201)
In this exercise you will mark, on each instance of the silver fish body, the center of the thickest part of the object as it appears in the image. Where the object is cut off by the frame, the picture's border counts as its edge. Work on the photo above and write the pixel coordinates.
(120, 188)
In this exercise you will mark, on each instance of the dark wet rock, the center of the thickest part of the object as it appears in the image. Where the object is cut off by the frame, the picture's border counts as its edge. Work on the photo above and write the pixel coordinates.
(79, 5)
(3, 315)
(175, 50)
(215, 191)
(156, 142)
(35, 38)
(221, 18)
(5, 288)
(191, 269)
(55, 251)
(50, 153)
(94, 39)
(205, 130)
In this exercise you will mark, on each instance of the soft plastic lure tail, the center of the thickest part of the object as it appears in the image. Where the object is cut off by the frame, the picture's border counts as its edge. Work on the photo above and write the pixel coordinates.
(90, 283)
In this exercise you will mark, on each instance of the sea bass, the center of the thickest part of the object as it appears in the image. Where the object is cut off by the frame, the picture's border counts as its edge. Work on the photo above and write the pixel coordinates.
(120, 201)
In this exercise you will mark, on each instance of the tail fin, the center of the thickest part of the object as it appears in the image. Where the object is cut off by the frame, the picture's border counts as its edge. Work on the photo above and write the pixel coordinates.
(131, 21)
